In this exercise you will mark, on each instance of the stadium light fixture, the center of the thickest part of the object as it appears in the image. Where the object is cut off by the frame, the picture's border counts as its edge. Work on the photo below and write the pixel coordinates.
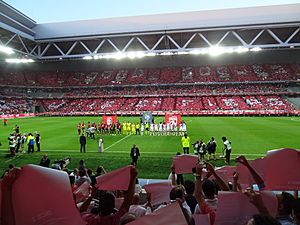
(19, 60)
(118, 55)
(150, 54)
(167, 53)
(255, 49)
(133, 55)
(241, 49)
(195, 52)
(88, 57)
(216, 50)
(183, 53)
(6, 50)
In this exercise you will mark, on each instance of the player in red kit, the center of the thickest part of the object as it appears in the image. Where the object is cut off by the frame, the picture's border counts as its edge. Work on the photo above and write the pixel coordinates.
(79, 128)
(82, 127)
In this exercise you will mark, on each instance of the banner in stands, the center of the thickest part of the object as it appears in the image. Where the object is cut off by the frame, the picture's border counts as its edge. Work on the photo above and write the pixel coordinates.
(8, 116)
(109, 119)
(147, 117)
(173, 118)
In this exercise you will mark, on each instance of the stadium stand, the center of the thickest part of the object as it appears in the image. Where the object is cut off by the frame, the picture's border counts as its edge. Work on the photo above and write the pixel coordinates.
(194, 90)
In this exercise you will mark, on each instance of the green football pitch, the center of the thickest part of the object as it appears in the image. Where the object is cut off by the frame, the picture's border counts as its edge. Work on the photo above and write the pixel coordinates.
(251, 136)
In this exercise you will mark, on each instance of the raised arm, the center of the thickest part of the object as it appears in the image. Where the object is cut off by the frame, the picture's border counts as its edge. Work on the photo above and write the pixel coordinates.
(130, 191)
(256, 199)
(257, 178)
(173, 175)
(205, 208)
(198, 185)
(236, 185)
(222, 184)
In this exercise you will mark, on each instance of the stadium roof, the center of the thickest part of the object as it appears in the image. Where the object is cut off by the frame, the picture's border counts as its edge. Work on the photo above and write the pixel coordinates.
(173, 21)
(269, 27)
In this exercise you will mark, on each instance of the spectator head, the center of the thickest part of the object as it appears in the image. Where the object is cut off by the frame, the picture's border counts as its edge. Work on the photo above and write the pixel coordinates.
(135, 199)
(72, 180)
(107, 203)
(177, 192)
(209, 189)
(100, 170)
(45, 156)
(189, 187)
(82, 173)
(261, 219)
(127, 218)
(89, 172)
(285, 204)
(11, 166)
(224, 138)
(76, 172)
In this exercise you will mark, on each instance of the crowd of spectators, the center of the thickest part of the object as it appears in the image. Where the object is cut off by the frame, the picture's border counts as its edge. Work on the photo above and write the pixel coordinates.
(139, 104)
(100, 201)
(166, 75)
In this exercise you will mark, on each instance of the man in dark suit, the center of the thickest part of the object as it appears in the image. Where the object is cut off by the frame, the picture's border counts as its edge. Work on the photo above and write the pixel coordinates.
(134, 154)
(82, 141)
(45, 161)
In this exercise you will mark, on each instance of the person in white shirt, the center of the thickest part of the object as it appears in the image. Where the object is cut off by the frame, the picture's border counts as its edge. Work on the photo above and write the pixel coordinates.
(142, 129)
(136, 208)
(164, 129)
(100, 145)
(227, 149)
(155, 129)
(160, 129)
(151, 129)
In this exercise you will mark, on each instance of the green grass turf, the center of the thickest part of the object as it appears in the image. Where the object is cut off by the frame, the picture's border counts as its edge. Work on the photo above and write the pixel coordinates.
(252, 136)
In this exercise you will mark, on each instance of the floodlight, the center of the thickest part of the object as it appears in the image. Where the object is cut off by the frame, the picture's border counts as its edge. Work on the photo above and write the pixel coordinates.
(241, 49)
(6, 50)
(255, 49)
(167, 53)
(19, 60)
(88, 57)
(133, 55)
(118, 55)
(150, 54)
(215, 50)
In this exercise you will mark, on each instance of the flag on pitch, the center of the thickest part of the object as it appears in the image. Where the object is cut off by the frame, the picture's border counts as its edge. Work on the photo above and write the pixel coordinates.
(173, 119)
(109, 119)
(147, 117)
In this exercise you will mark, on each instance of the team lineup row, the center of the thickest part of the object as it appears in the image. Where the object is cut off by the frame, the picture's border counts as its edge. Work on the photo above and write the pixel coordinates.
(127, 128)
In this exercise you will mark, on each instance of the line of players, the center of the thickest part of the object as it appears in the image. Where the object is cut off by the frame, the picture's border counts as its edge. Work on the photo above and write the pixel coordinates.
(101, 128)
(127, 128)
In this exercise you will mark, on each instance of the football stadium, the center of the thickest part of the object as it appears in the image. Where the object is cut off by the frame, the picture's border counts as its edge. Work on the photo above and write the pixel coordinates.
(197, 108)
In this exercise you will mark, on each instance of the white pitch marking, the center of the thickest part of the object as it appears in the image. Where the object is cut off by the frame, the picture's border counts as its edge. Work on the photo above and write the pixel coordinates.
(113, 144)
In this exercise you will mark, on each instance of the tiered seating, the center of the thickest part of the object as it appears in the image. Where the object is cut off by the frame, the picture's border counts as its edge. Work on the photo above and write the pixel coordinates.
(232, 103)
(275, 103)
(167, 75)
(11, 106)
(148, 104)
(254, 103)
(210, 103)
(189, 104)
(168, 104)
